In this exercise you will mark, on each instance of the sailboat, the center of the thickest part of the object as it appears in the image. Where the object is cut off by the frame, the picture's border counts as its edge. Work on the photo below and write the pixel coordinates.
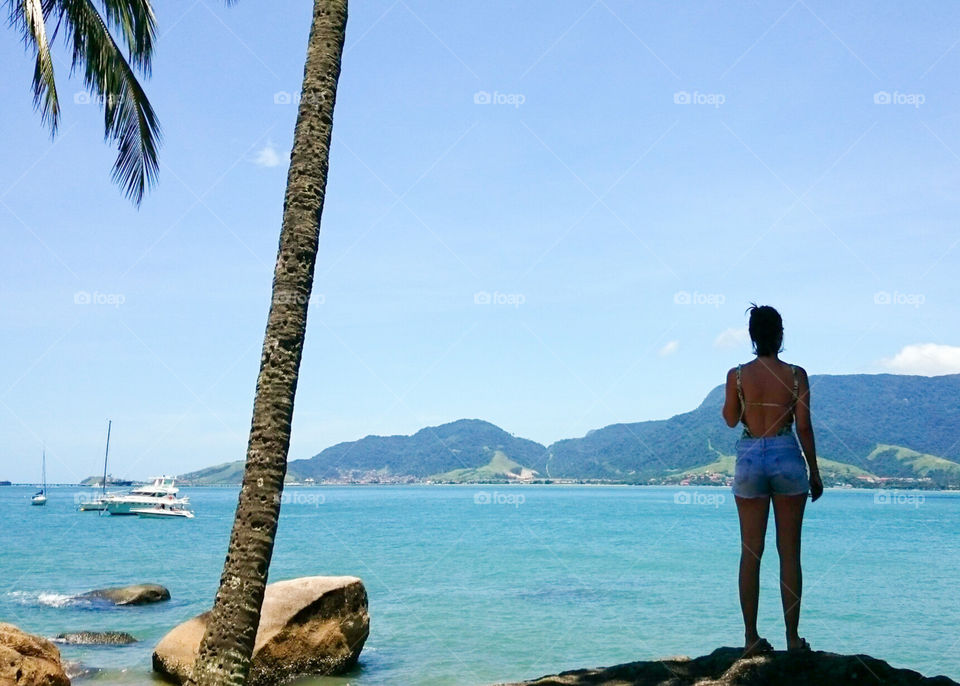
(40, 498)
(100, 504)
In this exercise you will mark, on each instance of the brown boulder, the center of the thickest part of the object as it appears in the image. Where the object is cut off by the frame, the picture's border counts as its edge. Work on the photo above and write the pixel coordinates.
(27, 660)
(313, 625)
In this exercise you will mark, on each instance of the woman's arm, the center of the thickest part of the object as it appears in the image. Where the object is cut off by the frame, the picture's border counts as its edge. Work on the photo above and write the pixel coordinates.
(805, 433)
(731, 403)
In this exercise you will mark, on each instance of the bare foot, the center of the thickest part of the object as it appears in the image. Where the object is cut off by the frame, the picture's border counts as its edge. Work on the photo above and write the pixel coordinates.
(798, 645)
(756, 646)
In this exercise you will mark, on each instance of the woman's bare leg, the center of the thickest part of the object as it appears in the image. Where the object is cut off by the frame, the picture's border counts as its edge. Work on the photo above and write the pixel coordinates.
(788, 513)
(754, 513)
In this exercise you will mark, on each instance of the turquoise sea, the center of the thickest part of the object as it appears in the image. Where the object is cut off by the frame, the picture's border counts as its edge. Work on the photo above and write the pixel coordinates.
(472, 585)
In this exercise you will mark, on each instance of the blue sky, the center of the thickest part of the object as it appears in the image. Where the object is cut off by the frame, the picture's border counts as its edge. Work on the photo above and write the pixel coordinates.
(549, 215)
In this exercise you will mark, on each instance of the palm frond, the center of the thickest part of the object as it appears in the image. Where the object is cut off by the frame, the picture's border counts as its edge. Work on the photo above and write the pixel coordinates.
(129, 119)
(136, 21)
(28, 17)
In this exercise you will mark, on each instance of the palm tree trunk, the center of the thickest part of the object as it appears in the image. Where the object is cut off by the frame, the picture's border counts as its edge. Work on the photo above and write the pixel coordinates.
(232, 627)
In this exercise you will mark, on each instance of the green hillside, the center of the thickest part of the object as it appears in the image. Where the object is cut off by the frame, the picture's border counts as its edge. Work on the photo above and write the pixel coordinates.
(461, 445)
(881, 425)
(899, 461)
(500, 468)
(852, 415)
(828, 469)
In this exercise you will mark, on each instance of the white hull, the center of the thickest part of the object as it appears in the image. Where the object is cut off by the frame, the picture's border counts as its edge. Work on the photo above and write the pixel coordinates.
(158, 513)
(127, 505)
(38, 500)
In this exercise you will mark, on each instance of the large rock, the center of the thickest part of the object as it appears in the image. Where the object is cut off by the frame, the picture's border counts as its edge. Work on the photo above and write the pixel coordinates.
(96, 638)
(27, 660)
(138, 594)
(309, 626)
(723, 667)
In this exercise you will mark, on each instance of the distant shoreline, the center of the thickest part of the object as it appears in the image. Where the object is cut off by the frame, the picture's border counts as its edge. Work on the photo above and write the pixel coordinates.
(512, 484)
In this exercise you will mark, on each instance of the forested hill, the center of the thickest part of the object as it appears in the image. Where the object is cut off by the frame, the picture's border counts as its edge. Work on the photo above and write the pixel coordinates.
(879, 424)
(852, 414)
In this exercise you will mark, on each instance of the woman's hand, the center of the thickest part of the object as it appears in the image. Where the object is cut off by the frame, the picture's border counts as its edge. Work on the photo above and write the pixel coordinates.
(816, 485)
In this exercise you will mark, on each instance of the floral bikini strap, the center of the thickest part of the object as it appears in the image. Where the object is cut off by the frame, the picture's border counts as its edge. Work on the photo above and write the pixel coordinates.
(740, 393)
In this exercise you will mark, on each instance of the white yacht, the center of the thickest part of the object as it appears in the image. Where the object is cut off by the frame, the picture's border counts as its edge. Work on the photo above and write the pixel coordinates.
(160, 491)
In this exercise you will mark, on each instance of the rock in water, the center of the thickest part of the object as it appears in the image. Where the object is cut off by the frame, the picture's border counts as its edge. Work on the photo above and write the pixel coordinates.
(138, 594)
(723, 667)
(314, 625)
(96, 638)
(27, 660)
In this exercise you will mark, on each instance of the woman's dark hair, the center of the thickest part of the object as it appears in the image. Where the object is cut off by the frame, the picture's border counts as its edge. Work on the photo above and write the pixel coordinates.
(766, 329)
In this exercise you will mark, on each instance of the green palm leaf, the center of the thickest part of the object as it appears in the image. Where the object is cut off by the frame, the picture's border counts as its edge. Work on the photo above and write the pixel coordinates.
(28, 17)
(136, 21)
(129, 119)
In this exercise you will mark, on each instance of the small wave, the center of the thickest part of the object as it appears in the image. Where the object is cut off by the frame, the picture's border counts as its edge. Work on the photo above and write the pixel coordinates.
(77, 670)
(46, 598)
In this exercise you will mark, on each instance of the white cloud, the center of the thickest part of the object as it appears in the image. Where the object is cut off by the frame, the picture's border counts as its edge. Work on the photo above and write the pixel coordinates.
(732, 338)
(926, 359)
(669, 349)
(268, 156)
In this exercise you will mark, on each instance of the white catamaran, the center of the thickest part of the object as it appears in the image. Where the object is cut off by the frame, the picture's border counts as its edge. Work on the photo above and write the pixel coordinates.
(40, 498)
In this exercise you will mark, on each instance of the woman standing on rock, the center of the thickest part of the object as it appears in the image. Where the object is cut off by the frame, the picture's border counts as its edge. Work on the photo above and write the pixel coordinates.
(768, 395)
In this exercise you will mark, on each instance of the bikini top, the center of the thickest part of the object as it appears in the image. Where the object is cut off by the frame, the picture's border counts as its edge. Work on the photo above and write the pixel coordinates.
(787, 428)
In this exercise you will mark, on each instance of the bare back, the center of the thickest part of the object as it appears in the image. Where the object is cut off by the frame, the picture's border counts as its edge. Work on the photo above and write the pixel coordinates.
(768, 388)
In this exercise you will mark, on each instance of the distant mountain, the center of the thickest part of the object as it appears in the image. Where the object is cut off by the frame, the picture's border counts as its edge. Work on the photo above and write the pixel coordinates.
(465, 444)
(852, 415)
(866, 425)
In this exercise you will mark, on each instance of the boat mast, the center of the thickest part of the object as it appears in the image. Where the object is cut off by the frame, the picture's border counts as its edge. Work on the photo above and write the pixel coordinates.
(106, 454)
(43, 471)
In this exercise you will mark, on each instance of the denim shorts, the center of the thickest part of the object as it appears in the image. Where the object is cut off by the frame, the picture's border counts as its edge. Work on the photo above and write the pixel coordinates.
(769, 466)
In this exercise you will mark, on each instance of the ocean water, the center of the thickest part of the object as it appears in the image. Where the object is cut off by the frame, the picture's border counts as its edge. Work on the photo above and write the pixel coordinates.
(474, 585)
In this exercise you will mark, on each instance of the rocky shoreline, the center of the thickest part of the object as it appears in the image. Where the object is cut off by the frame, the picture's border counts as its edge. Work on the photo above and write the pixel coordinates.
(724, 667)
(309, 626)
